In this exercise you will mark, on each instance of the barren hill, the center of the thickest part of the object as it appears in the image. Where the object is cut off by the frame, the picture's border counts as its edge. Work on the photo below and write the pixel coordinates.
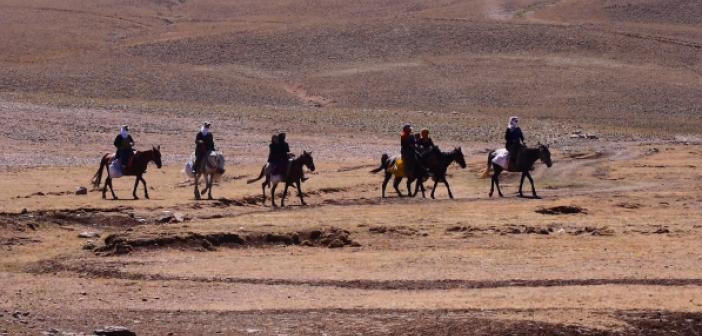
(624, 63)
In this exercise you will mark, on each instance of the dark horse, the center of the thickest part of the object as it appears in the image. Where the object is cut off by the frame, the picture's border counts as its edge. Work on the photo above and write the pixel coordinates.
(438, 162)
(391, 168)
(139, 162)
(293, 176)
(524, 163)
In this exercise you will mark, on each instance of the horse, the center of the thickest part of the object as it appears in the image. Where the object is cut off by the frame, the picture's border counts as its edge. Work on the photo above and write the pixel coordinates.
(211, 168)
(438, 162)
(390, 166)
(293, 176)
(139, 162)
(524, 163)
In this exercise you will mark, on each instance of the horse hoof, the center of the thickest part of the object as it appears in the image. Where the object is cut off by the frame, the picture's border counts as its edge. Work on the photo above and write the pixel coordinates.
(210, 198)
(303, 203)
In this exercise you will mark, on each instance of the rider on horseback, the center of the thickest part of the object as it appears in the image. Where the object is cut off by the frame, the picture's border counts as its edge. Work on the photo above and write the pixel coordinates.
(279, 154)
(514, 140)
(425, 144)
(204, 145)
(124, 144)
(408, 149)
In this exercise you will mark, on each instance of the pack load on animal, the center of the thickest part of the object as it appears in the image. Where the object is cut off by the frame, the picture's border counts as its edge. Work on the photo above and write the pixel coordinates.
(214, 160)
(400, 168)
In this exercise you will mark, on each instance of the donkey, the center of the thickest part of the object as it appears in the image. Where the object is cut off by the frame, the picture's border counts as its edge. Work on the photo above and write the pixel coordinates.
(524, 163)
(137, 168)
(211, 168)
(293, 176)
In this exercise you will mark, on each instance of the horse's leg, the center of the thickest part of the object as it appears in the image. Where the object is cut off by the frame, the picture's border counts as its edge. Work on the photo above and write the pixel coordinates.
(521, 183)
(136, 184)
(385, 184)
(533, 189)
(299, 193)
(421, 185)
(496, 180)
(112, 190)
(210, 181)
(409, 188)
(448, 188)
(206, 181)
(104, 188)
(146, 190)
(273, 195)
(285, 194)
(197, 186)
(433, 190)
(263, 189)
(396, 184)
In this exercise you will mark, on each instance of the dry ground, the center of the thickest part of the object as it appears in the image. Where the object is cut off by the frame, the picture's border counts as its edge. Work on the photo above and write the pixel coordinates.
(474, 265)
(340, 77)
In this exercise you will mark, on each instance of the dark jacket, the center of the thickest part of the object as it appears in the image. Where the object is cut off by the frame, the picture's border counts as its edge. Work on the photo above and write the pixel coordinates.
(408, 144)
(208, 141)
(513, 137)
(124, 144)
(278, 152)
(425, 144)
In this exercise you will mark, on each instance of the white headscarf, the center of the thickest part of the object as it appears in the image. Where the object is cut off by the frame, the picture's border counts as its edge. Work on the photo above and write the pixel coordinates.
(204, 130)
(513, 122)
(123, 132)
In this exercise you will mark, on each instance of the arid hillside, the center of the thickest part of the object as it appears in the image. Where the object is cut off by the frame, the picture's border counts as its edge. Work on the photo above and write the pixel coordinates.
(627, 67)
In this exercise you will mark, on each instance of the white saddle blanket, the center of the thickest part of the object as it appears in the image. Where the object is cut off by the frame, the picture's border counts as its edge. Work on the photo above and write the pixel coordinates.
(115, 169)
(211, 161)
(501, 158)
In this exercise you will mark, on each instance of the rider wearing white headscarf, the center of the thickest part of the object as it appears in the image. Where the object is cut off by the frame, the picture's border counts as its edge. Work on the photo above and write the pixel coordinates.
(514, 138)
(124, 144)
(204, 144)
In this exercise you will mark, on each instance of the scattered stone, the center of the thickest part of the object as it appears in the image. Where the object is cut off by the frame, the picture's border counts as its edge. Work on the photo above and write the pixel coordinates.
(114, 331)
(172, 217)
(582, 135)
(630, 206)
(336, 243)
(89, 234)
(561, 209)
(166, 217)
(81, 190)
(179, 217)
(89, 245)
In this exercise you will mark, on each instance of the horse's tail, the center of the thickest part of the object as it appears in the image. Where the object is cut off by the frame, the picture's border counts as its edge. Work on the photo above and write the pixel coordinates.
(384, 161)
(260, 176)
(486, 173)
(98, 175)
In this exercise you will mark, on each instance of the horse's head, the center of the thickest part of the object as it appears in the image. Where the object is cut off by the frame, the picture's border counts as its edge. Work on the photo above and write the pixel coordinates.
(307, 160)
(458, 156)
(157, 156)
(545, 155)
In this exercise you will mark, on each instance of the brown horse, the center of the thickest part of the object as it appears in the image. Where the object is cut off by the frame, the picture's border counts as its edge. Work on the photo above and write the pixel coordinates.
(294, 176)
(524, 163)
(139, 162)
